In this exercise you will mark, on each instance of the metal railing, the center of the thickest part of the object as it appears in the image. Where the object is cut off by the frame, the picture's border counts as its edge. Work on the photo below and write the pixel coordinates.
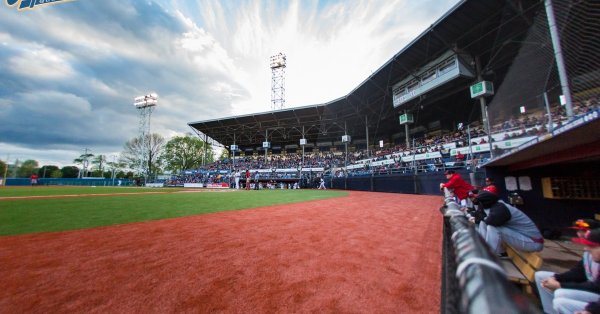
(473, 280)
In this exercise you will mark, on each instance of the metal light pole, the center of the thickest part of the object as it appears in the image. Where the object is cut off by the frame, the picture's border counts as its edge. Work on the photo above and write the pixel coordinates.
(278, 65)
(145, 105)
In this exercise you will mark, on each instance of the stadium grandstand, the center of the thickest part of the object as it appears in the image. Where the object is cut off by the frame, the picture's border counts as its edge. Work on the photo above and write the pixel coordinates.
(501, 89)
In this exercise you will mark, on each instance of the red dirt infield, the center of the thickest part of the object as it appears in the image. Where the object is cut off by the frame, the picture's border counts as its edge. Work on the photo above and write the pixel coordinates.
(364, 253)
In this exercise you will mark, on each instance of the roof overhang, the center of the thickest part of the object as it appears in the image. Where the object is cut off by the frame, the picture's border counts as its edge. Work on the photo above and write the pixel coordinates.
(576, 141)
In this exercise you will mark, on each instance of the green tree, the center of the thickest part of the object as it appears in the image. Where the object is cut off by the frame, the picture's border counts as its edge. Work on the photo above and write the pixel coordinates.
(97, 174)
(3, 169)
(70, 172)
(155, 145)
(99, 161)
(27, 168)
(56, 174)
(115, 167)
(84, 161)
(185, 152)
(47, 170)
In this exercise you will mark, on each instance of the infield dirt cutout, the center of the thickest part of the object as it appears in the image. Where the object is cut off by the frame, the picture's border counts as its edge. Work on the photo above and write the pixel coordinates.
(364, 253)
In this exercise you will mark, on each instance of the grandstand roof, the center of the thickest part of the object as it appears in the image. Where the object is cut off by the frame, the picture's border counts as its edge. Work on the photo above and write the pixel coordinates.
(479, 28)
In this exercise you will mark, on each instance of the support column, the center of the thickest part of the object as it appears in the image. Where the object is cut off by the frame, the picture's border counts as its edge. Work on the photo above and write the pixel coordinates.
(205, 149)
(484, 112)
(233, 152)
(367, 136)
(558, 55)
(303, 136)
(407, 135)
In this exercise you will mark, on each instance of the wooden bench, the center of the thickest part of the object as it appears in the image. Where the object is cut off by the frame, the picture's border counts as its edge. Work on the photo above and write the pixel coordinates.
(521, 267)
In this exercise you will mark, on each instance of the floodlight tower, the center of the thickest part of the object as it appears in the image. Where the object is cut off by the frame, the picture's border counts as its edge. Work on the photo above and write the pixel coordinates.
(145, 105)
(278, 81)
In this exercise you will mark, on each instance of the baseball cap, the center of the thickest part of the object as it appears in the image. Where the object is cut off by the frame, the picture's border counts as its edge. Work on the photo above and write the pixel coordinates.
(591, 238)
(585, 224)
(449, 172)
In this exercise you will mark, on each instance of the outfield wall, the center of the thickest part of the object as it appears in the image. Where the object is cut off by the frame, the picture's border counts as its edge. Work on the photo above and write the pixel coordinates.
(421, 183)
(70, 181)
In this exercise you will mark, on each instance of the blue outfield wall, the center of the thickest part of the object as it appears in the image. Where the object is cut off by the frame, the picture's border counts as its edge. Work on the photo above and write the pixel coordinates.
(64, 181)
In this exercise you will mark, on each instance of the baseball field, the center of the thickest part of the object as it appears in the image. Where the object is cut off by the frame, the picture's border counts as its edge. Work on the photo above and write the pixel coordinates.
(99, 249)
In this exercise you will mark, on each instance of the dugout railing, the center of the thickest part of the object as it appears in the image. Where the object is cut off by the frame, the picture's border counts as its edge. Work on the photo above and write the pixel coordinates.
(473, 280)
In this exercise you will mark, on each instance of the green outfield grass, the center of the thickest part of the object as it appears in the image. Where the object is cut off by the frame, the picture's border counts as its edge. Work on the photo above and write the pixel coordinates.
(75, 190)
(21, 216)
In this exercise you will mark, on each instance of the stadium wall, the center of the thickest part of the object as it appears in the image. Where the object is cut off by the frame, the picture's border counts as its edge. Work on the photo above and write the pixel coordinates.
(64, 181)
(422, 183)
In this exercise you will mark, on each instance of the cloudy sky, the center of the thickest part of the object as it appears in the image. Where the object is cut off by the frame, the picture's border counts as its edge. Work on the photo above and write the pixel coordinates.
(69, 72)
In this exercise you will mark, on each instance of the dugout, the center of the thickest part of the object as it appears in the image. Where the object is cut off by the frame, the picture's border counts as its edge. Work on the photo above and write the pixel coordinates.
(563, 169)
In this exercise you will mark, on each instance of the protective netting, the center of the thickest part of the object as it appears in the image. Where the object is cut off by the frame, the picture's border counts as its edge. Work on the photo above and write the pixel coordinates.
(529, 97)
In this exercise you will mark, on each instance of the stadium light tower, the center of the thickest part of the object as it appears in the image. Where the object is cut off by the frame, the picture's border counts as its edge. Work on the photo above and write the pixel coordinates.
(278, 81)
(145, 105)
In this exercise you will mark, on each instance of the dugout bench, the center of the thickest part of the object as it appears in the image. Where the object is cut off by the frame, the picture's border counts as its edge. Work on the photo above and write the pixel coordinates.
(520, 269)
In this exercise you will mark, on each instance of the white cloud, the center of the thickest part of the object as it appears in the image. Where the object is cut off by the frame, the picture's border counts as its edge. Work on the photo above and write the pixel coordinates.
(42, 63)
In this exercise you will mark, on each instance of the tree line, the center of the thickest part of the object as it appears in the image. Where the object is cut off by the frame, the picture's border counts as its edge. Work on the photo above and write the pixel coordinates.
(161, 156)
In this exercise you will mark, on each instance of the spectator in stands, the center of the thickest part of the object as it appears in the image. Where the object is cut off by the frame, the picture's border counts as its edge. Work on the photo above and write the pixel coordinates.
(496, 151)
(506, 223)
(460, 158)
(459, 186)
(572, 290)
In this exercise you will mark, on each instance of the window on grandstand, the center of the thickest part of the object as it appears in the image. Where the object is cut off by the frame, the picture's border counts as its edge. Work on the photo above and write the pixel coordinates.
(400, 91)
(412, 86)
(428, 76)
(447, 66)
